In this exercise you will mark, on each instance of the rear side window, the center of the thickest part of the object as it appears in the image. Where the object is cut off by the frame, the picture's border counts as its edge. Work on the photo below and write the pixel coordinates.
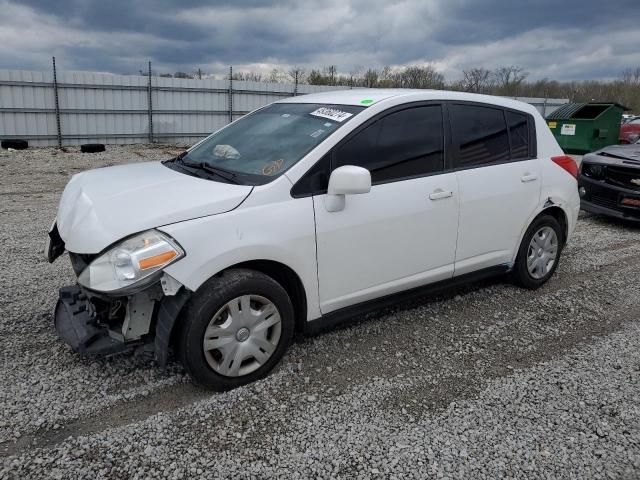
(403, 144)
(479, 135)
(519, 134)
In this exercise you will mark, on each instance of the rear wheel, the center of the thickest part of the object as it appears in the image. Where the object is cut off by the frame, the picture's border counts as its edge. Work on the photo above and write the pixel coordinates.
(539, 252)
(236, 329)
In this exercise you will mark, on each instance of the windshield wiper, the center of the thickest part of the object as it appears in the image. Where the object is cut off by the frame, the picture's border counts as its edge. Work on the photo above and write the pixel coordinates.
(220, 172)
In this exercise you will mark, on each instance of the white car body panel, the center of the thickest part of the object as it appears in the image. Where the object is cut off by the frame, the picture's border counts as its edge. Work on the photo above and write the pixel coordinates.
(269, 225)
(385, 241)
(101, 206)
(388, 240)
(493, 201)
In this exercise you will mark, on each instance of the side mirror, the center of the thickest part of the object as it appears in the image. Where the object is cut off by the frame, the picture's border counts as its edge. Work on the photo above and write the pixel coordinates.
(346, 180)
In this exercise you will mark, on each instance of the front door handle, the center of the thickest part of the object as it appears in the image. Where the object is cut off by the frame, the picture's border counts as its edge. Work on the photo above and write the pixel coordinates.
(439, 194)
(528, 177)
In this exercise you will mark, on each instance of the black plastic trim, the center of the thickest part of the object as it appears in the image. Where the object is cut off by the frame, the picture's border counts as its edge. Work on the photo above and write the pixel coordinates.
(344, 315)
(610, 212)
(168, 312)
(449, 164)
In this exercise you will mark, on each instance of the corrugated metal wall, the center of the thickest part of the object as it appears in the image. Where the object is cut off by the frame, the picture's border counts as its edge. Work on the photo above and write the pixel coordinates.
(104, 108)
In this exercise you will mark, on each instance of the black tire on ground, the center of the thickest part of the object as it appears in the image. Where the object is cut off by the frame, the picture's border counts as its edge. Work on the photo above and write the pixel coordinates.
(520, 274)
(202, 307)
(92, 147)
(15, 144)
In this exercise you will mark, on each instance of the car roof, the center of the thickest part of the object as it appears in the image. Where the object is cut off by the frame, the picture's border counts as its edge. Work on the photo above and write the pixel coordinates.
(370, 96)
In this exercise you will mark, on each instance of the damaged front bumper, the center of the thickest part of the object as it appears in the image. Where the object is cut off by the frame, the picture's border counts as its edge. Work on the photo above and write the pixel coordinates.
(97, 325)
(77, 325)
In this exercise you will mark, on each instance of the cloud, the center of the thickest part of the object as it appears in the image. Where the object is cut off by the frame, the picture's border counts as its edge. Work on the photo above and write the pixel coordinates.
(573, 39)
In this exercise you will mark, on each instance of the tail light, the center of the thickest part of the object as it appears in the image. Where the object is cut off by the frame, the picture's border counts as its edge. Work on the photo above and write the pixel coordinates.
(567, 163)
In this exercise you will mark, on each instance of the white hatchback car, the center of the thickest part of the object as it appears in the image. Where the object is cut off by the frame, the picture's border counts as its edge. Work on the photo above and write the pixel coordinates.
(302, 214)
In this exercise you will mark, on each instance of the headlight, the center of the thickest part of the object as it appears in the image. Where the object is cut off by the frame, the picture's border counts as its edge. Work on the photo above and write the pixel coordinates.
(130, 262)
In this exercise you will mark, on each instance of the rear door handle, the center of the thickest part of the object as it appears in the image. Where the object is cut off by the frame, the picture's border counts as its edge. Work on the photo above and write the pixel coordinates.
(439, 194)
(528, 177)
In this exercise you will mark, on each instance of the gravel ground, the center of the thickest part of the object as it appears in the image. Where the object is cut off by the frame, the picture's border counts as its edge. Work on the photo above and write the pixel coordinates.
(487, 381)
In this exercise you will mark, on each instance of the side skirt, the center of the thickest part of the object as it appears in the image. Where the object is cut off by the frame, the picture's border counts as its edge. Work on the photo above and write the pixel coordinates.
(346, 314)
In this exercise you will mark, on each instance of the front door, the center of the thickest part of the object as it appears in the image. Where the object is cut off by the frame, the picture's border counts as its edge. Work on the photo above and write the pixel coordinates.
(400, 235)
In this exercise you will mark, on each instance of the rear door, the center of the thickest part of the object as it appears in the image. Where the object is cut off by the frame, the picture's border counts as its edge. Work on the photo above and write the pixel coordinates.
(493, 152)
(402, 234)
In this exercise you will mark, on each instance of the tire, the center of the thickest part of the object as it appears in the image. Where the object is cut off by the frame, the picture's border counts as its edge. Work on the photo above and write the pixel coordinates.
(15, 144)
(209, 311)
(542, 270)
(92, 147)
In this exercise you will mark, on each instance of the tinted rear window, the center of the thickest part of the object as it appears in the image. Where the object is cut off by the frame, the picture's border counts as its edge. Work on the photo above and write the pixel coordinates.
(479, 135)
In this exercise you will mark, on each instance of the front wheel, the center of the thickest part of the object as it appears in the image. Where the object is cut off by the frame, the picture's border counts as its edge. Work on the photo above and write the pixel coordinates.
(539, 253)
(235, 329)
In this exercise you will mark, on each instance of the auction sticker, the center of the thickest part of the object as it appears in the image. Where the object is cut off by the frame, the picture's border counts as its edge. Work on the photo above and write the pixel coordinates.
(331, 113)
(568, 129)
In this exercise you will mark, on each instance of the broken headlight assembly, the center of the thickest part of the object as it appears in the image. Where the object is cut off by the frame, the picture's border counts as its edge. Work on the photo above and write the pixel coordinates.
(132, 263)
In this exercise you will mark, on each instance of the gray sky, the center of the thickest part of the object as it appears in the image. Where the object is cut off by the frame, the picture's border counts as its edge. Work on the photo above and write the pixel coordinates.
(559, 39)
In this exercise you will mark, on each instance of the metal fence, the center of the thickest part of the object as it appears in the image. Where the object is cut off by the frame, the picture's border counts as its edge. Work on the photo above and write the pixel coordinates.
(70, 108)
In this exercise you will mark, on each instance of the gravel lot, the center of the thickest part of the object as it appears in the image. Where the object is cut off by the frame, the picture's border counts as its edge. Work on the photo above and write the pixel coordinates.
(488, 381)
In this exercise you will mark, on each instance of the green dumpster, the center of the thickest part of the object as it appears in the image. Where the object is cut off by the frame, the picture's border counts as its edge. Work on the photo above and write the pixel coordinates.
(584, 127)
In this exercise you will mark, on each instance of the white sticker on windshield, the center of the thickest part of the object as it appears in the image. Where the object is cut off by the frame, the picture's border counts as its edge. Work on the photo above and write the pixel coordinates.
(332, 114)
(317, 133)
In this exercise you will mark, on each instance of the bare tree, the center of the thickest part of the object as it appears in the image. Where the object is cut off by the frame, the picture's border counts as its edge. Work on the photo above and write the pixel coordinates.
(476, 80)
(331, 72)
(247, 76)
(631, 76)
(419, 77)
(275, 76)
(182, 75)
(370, 78)
(509, 78)
(296, 75)
(315, 77)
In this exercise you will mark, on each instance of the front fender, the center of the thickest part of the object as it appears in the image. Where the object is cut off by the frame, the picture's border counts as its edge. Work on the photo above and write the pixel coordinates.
(283, 232)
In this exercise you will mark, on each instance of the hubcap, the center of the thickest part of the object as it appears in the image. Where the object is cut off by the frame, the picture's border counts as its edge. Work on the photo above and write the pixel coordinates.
(542, 252)
(242, 335)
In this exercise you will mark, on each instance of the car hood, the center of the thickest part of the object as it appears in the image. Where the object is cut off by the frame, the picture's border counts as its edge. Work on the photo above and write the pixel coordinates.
(623, 155)
(101, 206)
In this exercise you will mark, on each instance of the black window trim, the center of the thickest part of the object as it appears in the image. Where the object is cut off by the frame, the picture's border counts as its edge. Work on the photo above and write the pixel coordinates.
(449, 152)
(446, 140)
(531, 126)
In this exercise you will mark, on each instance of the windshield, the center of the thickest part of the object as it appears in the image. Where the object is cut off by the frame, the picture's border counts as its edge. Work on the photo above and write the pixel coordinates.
(264, 144)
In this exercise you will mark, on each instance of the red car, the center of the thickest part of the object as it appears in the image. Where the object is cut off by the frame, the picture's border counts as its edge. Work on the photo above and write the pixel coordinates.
(630, 131)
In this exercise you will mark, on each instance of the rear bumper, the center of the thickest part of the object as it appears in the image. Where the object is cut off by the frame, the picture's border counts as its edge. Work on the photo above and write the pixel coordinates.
(603, 198)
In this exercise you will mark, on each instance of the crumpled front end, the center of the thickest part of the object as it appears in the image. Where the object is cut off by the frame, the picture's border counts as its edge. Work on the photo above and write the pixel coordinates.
(78, 325)
(105, 324)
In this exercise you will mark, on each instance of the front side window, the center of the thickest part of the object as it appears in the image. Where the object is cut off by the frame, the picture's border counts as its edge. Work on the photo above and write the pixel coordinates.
(264, 144)
(403, 144)
(479, 135)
